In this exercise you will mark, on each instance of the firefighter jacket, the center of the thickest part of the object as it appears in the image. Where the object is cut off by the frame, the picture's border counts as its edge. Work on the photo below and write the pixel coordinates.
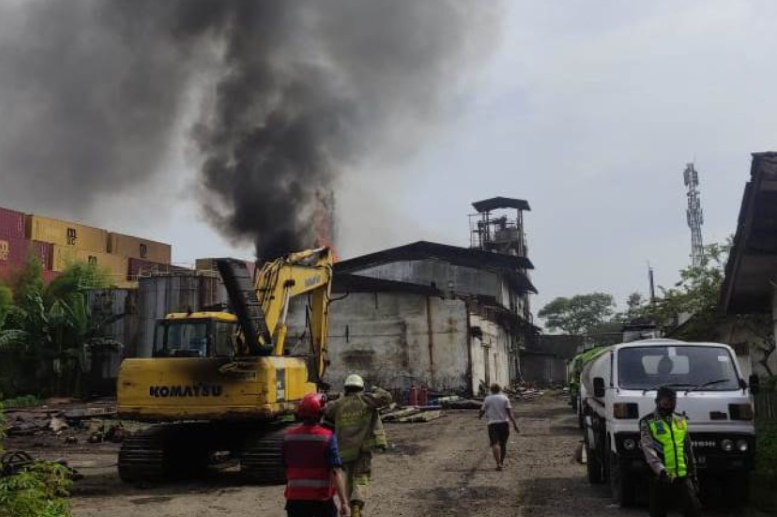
(357, 422)
(310, 453)
(666, 444)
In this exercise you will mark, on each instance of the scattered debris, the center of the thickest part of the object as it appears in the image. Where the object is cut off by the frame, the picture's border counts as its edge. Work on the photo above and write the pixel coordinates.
(401, 413)
(58, 424)
(13, 461)
(463, 404)
(425, 416)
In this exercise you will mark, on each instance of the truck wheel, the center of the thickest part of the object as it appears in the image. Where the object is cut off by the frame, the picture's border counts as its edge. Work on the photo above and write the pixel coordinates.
(594, 467)
(621, 483)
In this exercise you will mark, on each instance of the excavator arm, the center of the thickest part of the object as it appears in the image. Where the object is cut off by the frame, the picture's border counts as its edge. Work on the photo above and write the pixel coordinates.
(262, 308)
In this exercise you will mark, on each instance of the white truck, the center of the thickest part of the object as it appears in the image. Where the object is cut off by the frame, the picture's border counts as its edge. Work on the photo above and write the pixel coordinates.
(619, 388)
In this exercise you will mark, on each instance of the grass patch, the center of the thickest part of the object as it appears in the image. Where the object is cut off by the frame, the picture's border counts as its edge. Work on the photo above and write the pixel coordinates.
(22, 402)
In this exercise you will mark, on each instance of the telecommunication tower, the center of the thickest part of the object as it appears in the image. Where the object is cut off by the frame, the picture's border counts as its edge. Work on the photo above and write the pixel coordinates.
(695, 214)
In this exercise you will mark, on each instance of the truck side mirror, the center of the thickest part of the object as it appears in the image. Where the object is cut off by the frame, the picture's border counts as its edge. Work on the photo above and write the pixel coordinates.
(598, 387)
(755, 384)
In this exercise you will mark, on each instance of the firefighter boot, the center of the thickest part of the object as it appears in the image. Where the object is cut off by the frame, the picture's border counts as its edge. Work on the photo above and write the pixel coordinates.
(356, 509)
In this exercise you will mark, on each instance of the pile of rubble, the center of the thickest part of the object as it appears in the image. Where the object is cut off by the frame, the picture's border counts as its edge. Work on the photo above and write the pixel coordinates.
(410, 414)
(67, 418)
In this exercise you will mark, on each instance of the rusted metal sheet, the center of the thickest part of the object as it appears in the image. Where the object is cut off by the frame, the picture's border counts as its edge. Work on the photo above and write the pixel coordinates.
(138, 268)
(177, 292)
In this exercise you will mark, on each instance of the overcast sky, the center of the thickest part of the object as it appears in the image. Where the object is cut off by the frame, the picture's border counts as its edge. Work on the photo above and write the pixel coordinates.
(589, 110)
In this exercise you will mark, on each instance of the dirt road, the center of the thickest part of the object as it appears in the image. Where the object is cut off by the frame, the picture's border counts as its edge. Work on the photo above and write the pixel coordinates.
(438, 468)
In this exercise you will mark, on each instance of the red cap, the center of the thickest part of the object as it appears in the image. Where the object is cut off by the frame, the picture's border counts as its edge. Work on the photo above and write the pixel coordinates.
(312, 406)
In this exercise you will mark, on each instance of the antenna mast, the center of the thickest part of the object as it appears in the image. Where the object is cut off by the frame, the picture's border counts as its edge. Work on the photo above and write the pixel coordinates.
(695, 214)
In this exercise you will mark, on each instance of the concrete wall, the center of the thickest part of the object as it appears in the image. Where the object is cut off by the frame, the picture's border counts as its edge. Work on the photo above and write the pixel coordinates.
(543, 369)
(490, 355)
(446, 276)
(393, 339)
(746, 344)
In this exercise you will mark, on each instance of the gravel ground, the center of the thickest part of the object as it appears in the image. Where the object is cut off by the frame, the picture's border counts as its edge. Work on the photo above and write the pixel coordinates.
(439, 468)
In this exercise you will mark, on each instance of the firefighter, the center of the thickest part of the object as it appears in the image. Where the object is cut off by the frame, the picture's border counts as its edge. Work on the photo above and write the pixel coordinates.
(313, 466)
(359, 431)
(666, 444)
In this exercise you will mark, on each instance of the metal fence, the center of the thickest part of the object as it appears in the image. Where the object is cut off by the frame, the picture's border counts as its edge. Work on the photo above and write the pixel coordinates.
(766, 406)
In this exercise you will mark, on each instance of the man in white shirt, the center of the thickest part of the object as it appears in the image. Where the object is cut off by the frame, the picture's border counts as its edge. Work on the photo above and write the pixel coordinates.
(499, 413)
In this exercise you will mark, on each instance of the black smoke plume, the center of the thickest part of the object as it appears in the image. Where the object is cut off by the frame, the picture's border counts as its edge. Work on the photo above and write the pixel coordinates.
(296, 93)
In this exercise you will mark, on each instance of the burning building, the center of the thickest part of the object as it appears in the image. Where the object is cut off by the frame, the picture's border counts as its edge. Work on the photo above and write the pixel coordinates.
(429, 314)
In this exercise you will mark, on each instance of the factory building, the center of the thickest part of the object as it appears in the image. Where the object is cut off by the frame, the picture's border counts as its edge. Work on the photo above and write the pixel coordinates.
(427, 314)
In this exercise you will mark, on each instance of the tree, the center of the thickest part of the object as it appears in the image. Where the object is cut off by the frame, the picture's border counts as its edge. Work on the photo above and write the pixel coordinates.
(6, 303)
(47, 330)
(580, 314)
(29, 280)
(695, 296)
(635, 303)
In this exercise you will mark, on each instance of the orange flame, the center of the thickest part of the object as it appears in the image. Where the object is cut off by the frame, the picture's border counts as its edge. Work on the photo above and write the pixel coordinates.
(324, 221)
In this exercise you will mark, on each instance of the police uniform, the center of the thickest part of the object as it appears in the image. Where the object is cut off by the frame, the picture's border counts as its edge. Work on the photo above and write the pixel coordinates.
(359, 431)
(666, 444)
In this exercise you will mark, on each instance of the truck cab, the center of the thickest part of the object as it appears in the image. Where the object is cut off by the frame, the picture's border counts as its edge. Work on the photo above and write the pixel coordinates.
(619, 389)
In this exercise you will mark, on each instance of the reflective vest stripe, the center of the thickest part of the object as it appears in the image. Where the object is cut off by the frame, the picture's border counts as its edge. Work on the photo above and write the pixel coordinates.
(308, 483)
(670, 440)
(306, 438)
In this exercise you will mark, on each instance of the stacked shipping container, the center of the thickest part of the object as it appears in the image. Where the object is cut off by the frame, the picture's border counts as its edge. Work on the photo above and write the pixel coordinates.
(15, 247)
(59, 243)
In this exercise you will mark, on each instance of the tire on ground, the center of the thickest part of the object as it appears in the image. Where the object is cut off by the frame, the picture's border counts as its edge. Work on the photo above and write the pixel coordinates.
(621, 483)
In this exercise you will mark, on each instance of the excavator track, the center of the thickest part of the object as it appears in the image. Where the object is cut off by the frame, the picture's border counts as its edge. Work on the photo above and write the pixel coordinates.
(142, 456)
(164, 452)
(261, 460)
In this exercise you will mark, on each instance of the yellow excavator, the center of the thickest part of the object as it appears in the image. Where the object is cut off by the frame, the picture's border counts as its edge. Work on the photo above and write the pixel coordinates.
(222, 382)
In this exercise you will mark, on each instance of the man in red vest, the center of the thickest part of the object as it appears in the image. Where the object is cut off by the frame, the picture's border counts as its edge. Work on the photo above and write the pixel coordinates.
(313, 465)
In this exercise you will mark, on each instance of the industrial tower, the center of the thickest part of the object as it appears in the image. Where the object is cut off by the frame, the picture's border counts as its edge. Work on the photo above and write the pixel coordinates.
(695, 214)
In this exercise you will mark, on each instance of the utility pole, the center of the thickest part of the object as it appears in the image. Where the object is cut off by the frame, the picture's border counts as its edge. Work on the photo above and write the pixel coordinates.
(694, 214)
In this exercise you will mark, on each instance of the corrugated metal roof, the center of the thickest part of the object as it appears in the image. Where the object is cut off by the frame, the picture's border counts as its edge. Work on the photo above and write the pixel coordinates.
(420, 250)
(752, 262)
(348, 283)
(495, 203)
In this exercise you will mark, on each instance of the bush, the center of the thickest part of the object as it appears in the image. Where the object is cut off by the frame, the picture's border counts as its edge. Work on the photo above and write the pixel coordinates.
(20, 402)
(766, 461)
(40, 490)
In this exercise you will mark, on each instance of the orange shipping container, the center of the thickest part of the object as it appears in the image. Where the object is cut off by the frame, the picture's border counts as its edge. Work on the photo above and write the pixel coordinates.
(63, 257)
(115, 265)
(135, 247)
(65, 233)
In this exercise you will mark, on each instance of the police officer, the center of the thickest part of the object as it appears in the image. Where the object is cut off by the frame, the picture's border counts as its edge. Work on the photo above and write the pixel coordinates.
(313, 465)
(359, 432)
(666, 444)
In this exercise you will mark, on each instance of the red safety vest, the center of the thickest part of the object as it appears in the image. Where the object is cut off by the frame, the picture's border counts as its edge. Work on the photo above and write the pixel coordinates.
(308, 474)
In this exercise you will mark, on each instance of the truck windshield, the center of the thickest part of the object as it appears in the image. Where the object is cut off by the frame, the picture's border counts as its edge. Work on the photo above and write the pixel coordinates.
(681, 366)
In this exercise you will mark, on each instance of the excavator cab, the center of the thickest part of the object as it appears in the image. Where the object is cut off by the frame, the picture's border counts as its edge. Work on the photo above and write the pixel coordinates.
(200, 334)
